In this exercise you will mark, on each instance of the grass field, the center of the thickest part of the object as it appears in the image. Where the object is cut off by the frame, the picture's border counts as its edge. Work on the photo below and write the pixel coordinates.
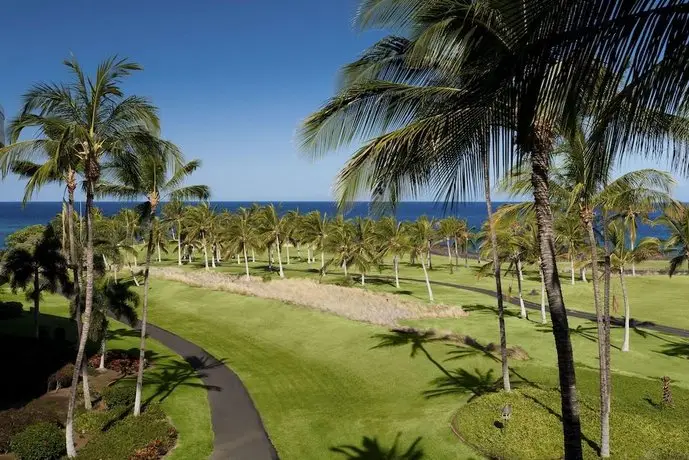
(320, 382)
(171, 380)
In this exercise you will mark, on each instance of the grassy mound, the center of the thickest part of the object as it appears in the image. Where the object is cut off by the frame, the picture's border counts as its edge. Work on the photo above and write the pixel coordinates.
(640, 426)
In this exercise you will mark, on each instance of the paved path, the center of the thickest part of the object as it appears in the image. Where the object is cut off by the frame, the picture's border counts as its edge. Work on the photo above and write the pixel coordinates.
(575, 313)
(239, 432)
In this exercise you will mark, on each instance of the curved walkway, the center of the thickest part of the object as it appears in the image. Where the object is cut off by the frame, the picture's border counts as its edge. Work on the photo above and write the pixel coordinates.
(575, 313)
(238, 429)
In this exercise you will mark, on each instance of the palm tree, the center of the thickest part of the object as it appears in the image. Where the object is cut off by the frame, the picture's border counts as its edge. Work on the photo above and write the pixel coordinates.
(37, 268)
(420, 233)
(340, 243)
(623, 256)
(676, 219)
(157, 176)
(316, 231)
(272, 228)
(292, 230)
(449, 228)
(568, 228)
(241, 235)
(173, 214)
(201, 224)
(363, 253)
(392, 239)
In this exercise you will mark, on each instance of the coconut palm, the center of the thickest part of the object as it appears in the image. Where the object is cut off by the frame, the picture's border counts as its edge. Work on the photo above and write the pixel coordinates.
(624, 255)
(173, 214)
(241, 235)
(568, 227)
(676, 219)
(340, 243)
(316, 231)
(420, 233)
(292, 231)
(37, 267)
(363, 253)
(449, 228)
(272, 228)
(200, 223)
(392, 239)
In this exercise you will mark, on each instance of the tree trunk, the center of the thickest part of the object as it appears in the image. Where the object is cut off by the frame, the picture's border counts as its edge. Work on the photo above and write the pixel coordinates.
(322, 261)
(631, 247)
(205, 252)
(277, 244)
(144, 320)
(246, 264)
(287, 248)
(498, 278)
(36, 300)
(466, 254)
(158, 247)
(571, 267)
(395, 262)
(344, 267)
(428, 281)
(606, 395)
(544, 320)
(428, 254)
(179, 243)
(363, 279)
(625, 343)
(571, 424)
(449, 254)
(102, 353)
(85, 385)
(522, 308)
(253, 255)
(88, 305)
(583, 275)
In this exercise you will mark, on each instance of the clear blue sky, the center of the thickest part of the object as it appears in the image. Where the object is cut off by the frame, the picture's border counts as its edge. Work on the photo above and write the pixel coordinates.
(232, 79)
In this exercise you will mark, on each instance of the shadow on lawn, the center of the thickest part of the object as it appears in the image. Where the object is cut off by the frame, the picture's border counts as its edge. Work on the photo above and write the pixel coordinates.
(167, 377)
(493, 309)
(371, 449)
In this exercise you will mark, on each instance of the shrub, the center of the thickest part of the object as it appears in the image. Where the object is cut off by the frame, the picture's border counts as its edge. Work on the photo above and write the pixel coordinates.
(13, 421)
(119, 395)
(93, 421)
(153, 451)
(63, 377)
(130, 437)
(42, 441)
(9, 310)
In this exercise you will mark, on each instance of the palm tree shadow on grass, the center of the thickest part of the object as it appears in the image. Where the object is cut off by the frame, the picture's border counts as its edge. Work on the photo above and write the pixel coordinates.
(371, 449)
(169, 376)
(589, 333)
(489, 309)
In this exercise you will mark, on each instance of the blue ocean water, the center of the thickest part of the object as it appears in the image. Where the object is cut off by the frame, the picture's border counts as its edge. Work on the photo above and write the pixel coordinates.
(14, 216)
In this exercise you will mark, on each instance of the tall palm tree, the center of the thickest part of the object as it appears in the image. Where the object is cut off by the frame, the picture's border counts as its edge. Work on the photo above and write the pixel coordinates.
(273, 228)
(676, 219)
(568, 228)
(392, 239)
(316, 230)
(37, 268)
(420, 233)
(363, 254)
(173, 214)
(155, 175)
(201, 224)
(340, 243)
(448, 228)
(292, 230)
(241, 235)
(624, 255)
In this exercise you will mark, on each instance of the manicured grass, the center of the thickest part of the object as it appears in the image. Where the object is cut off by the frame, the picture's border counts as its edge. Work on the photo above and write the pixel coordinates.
(187, 401)
(320, 382)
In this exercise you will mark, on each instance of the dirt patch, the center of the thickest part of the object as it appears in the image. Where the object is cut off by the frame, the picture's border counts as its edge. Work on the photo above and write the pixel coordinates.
(351, 303)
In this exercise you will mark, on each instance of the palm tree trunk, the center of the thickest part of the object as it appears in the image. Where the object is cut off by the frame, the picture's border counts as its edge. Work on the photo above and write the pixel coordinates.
(88, 305)
(625, 343)
(344, 267)
(449, 254)
(36, 301)
(428, 281)
(571, 267)
(571, 423)
(522, 308)
(253, 255)
(179, 243)
(606, 394)
(277, 244)
(322, 261)
(631, 247)
(428, 254)
(287, 248)
(466, 253)
(144, 320)
(159, 259)
(114, 271)
(205, 252)
(583, 275)
(544, 320)
(102, 353)
(363, 279)
(396, 263)
(246, 264)
(498, 278)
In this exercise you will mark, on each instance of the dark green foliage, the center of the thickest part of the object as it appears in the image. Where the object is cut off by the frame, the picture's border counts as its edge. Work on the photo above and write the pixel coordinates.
(93, 421)
(13, 421)
(119, 395)
(63, 377)
(42, 441)
(345, 281)
(10, 310)
(127, 436)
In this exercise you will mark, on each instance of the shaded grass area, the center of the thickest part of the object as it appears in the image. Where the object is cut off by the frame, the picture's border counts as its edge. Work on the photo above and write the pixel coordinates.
(171, 381)
(327, 387)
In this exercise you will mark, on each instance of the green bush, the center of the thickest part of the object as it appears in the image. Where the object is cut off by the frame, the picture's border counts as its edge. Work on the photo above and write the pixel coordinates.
(42, 441)
(93, 421)
(126, 437)
(119, 395)
(9, 310)
(13, 421)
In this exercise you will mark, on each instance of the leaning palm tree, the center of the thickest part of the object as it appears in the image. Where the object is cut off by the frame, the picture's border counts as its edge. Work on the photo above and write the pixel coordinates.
(393, 240)
(316, 231)
(340, 244)
(420, 233)
(241, 236)
(624, 255)
(272, 227)
(173, 214)
(676, 219)
(157, 176)
(200, 223)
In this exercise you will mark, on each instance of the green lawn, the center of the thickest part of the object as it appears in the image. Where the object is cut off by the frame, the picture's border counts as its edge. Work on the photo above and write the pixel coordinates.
(319, 382)
(187, 402)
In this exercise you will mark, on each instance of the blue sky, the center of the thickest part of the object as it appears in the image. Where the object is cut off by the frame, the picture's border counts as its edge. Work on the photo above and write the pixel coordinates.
(232, 79)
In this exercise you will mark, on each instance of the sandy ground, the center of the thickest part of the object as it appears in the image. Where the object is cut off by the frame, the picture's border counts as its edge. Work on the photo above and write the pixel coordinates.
(352, 303)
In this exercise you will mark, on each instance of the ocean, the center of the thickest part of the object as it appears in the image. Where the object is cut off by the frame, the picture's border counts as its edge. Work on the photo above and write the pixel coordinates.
(14, 216)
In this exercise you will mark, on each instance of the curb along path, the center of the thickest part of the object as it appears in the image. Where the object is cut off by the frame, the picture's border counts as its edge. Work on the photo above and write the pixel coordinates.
(238, 429)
